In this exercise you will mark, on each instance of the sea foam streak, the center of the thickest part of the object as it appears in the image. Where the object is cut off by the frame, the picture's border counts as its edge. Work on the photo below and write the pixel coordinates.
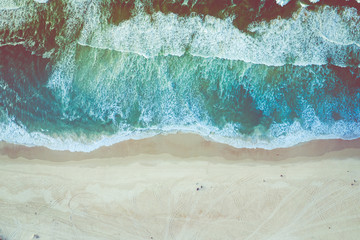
(328, 35)
(308, 38)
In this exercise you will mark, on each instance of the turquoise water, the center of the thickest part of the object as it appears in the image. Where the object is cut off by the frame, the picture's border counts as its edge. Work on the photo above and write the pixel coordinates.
(90, 83)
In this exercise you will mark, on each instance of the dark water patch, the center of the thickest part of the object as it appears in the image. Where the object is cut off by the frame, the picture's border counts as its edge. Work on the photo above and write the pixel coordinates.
(353, 59)
(232, 105)
(45, 28)
(24, 95)
(26, 98)
(244, 11)
(349, 77)
(117, 10)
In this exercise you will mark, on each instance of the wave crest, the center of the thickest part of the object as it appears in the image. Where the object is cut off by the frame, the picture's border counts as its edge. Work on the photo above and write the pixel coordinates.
(308, 38)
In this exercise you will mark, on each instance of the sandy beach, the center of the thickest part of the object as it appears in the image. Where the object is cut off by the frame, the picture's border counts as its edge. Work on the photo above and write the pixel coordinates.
(181, 187)
(86, 85)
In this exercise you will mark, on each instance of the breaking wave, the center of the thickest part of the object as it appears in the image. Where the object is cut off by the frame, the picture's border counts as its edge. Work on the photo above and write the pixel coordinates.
(77, 77)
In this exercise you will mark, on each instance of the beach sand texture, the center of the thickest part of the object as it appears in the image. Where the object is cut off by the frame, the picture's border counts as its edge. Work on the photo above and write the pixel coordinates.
(181, 187)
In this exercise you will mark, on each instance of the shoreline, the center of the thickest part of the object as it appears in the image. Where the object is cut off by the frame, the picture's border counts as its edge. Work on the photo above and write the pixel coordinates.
(191, 145)
(181, 187)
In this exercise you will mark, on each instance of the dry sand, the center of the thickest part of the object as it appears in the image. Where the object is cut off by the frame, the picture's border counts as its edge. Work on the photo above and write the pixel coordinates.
(181, 187)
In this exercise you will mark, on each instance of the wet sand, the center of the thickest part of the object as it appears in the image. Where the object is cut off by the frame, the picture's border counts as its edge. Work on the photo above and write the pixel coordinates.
(181, 187)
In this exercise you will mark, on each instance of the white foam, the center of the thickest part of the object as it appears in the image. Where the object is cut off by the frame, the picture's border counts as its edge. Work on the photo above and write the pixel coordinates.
(307, 38)
(41, 1)
(11, 4)
(278, 136)
(282, 2)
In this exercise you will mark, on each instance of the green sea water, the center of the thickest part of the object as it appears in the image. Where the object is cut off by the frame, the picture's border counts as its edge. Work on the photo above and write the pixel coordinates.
(87, 82)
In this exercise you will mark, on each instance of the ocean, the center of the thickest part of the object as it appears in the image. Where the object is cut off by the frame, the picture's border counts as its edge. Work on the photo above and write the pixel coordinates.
(80, 74)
